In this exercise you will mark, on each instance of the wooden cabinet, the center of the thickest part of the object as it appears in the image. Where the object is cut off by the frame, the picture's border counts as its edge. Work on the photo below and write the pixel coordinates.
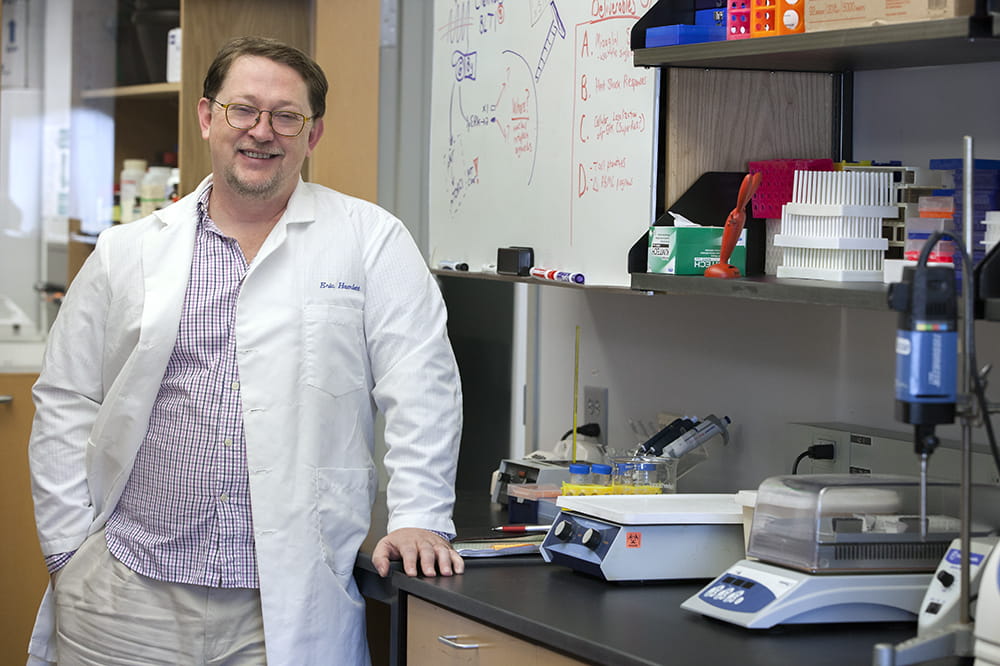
(153, 118)
(158, 117)
(151, 121)
(205, 26)
(22, 570)
(435, 635)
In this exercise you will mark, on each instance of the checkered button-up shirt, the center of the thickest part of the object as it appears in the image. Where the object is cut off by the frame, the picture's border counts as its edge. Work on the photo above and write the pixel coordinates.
(184, 515)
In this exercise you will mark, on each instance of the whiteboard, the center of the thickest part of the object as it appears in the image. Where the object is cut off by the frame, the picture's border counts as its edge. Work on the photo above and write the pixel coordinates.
(543, 134)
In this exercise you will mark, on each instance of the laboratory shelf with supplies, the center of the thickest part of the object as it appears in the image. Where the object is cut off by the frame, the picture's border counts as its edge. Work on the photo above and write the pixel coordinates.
(950, 41)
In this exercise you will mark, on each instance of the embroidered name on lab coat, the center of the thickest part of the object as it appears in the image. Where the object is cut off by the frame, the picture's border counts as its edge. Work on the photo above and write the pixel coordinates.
(339, 285)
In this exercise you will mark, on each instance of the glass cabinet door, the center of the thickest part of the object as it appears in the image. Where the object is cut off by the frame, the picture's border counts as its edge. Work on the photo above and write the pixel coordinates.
(84, 88)
(24, 126)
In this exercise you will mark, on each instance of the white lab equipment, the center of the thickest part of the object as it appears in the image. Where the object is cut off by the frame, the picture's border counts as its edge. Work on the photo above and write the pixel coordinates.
(940, 606)
(987, 631)
(646, 537)
(838, 548)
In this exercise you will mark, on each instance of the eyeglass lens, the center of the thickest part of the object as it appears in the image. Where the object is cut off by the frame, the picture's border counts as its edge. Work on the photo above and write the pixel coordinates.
(242, 116)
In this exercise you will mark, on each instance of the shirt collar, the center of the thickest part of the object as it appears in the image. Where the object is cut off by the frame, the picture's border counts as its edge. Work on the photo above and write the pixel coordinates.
(205, 221)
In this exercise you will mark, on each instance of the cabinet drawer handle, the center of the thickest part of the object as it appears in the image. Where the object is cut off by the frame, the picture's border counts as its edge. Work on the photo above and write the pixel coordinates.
(4, 399)
(451, 641)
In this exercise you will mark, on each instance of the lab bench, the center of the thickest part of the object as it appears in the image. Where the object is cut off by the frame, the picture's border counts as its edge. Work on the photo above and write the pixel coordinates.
(576, 618)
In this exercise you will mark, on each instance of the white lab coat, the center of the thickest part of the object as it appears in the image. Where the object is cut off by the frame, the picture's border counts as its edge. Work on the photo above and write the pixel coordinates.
(338, 315)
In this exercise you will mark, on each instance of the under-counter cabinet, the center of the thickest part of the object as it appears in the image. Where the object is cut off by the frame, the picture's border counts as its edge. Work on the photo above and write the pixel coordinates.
(435, 635)
(22, 569)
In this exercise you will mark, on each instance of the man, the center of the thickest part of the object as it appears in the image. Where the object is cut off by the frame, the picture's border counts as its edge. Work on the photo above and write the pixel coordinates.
(202, 448)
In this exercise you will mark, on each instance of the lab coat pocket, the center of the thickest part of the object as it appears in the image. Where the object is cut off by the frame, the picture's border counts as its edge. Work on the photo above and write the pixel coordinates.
(344, 498)
(334, 348)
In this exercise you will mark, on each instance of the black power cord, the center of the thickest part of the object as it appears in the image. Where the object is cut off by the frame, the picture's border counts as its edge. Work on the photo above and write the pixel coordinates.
(815, 452)
(587, 430)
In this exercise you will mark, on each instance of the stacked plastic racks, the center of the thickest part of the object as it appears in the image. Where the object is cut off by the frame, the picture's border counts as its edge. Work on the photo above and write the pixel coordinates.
(832, 227)
(763, 18)
(985, 197)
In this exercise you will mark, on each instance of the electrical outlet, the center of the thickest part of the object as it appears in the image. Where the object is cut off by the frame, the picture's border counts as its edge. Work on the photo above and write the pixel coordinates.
(595, 409)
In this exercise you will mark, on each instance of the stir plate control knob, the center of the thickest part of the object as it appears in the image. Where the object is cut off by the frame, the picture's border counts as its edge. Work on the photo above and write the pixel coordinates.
(563, 531)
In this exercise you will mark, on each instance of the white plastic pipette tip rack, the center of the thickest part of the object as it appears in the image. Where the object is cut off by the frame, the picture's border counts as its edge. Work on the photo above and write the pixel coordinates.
(832, 228)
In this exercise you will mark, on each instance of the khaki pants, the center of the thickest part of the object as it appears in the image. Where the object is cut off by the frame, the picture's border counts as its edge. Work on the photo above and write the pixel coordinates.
(108, 615)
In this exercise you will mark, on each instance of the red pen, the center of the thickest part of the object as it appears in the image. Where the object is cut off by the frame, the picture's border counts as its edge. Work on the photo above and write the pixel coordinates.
(522, 528)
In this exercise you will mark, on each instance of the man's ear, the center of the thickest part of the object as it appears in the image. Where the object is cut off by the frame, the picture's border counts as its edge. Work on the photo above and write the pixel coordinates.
(315, 132)
(205, 116)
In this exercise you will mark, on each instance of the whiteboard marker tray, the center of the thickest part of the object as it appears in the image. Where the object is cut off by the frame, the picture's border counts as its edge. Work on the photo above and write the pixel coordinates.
(681, 509)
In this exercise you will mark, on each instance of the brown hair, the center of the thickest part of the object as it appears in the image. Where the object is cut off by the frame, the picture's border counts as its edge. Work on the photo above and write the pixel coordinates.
(271, 49)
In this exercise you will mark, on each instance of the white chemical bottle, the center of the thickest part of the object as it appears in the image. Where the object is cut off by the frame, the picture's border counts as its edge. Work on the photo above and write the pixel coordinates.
(153, 195)
(129, 183)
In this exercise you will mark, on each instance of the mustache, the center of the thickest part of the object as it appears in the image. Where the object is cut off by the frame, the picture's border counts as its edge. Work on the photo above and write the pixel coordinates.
(256, 147)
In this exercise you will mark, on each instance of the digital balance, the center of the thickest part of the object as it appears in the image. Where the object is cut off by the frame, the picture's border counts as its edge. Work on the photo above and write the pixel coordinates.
(836, 548)
(646, 537)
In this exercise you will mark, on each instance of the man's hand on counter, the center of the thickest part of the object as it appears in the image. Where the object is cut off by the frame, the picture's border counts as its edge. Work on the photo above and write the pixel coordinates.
(415, 546)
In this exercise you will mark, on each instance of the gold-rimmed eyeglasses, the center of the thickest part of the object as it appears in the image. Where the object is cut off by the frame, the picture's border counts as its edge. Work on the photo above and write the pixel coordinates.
(246, 117)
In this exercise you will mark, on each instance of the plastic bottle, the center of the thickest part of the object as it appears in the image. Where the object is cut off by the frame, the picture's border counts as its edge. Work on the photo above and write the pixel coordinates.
(174, 185)
(579, 473)
(129, 182)
(600, 474)
(153, 194)
(116, 207)
(174, 55)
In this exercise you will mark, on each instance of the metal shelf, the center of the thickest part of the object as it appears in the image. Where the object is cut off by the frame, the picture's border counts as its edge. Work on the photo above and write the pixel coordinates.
(483, 275)
(866, 295)
(938, 42)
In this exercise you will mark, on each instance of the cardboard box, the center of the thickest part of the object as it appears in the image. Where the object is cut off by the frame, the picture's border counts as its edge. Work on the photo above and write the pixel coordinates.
(840, 14)
(690, 250)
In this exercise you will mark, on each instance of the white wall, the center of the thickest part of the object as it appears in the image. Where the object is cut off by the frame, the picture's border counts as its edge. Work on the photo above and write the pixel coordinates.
(922, 112)
(762, 364)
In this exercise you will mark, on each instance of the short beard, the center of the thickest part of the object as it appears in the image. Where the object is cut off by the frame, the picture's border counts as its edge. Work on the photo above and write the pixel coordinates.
(260, 191)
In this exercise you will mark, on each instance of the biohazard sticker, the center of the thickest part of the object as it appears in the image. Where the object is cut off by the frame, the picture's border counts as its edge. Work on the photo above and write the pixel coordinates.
(633, 539)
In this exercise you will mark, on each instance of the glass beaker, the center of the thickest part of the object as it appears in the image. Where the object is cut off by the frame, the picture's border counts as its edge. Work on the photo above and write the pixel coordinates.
(639, 475)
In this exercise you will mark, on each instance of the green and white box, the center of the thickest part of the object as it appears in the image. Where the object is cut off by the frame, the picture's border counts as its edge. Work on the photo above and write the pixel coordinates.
(690, 250)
